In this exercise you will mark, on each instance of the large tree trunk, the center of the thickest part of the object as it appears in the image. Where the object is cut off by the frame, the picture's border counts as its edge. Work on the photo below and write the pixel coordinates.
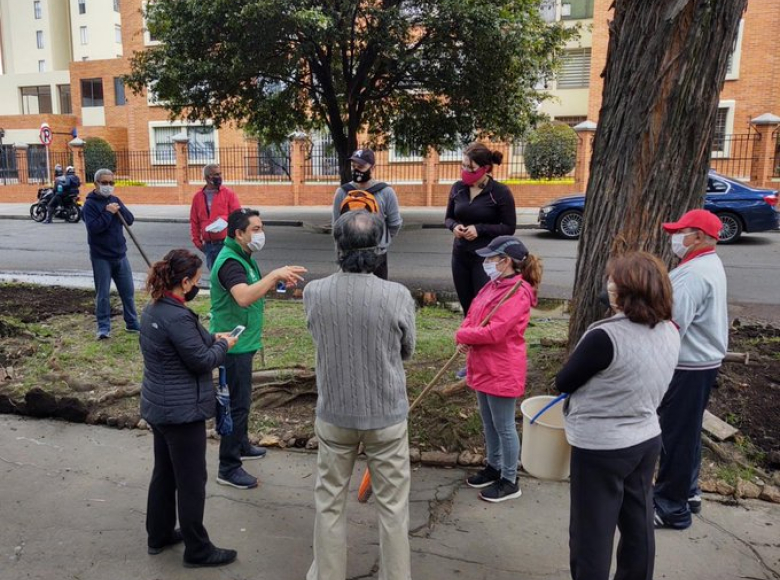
(666, 63)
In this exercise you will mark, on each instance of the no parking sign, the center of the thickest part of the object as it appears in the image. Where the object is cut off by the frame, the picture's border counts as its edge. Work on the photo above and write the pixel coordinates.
(45, 134)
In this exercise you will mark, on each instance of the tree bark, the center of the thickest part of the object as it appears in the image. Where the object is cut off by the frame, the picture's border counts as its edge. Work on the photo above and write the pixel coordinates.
(666, 63)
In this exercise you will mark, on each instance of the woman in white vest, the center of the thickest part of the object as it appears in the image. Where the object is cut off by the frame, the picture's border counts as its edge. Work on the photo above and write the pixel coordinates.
(617, 377)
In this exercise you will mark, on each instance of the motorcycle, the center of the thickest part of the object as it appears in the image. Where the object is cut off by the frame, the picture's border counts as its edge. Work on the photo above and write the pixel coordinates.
(69, 210)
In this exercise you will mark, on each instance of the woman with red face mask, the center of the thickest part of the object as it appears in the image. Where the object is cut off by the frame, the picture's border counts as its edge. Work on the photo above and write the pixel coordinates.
(479, 210)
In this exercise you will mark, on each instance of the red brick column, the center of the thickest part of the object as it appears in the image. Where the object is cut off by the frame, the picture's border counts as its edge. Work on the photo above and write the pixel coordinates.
(763, 169)
(430, 176)
(180, 142)
(585, 133)
(297, 160)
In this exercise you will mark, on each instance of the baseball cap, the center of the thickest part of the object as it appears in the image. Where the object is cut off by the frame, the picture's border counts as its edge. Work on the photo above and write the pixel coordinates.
(504, 245)
(701, 219)
(364, 156)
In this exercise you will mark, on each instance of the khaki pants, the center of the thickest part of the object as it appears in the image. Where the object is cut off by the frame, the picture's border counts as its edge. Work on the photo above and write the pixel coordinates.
(388, 461)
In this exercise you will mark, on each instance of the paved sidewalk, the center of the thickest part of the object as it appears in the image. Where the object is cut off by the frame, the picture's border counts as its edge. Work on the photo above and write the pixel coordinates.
(297, 216)
(73, 506)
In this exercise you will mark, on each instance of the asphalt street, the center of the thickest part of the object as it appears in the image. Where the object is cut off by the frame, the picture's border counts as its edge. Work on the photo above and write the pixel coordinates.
(419, 258)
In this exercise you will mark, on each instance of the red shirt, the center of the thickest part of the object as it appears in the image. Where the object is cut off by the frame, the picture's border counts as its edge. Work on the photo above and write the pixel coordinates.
(224, 203)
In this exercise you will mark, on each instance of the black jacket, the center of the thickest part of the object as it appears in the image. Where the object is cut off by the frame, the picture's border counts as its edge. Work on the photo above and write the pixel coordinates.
(105, 234)
(492, 212)
(179, 356)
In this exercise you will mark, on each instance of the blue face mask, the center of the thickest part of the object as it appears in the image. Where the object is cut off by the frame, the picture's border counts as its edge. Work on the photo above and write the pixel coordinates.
(491, 269)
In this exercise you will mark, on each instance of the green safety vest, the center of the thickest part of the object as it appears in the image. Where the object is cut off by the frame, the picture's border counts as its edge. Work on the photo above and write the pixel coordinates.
(226, 314)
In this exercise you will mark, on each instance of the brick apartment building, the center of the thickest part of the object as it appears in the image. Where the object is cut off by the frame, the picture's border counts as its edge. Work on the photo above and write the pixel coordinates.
(63, 61)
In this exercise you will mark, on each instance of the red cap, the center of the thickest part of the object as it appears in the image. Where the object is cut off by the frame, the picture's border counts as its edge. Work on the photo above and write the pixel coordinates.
(701, 219)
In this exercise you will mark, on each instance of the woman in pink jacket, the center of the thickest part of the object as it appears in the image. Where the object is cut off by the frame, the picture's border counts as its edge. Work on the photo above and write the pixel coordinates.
(496, 359)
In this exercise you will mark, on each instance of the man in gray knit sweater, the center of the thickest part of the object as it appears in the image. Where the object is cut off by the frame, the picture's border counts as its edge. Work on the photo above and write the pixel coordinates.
(363, 328)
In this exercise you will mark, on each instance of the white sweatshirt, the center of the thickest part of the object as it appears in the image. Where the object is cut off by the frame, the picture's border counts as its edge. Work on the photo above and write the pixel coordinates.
(701, 311)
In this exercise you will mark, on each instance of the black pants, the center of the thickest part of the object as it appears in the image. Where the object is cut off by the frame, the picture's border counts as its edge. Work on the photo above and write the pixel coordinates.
(468, 275)
(612, 489)
(680, 414)
(238, 368)
(381, 269)
(55, 201)
(179, 477)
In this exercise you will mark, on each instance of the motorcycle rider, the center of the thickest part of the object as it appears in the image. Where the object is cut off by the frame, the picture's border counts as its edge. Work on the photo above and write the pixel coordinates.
(66, 187)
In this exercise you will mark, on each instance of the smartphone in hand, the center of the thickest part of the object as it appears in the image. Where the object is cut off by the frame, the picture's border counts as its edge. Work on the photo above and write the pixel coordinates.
(236, 332)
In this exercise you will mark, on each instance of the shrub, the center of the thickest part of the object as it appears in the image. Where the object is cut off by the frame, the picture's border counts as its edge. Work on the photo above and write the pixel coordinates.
(551, 151)
(98, 154)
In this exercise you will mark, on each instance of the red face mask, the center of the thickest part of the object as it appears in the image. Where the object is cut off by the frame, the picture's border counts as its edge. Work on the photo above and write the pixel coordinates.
(471, 177)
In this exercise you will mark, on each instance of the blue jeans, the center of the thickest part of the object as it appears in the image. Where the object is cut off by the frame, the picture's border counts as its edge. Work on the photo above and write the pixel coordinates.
(119, 271)
(502, 445)
(680, 415)
(211, 250)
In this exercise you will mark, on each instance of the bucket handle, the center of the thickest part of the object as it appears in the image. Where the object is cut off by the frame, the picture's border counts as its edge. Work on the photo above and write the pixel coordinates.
(549, 405)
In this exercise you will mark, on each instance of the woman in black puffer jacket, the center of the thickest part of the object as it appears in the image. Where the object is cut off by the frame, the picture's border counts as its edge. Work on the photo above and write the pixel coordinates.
(177, 397)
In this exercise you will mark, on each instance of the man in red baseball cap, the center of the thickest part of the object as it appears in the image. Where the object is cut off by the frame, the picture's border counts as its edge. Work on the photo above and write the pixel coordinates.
(700, 311)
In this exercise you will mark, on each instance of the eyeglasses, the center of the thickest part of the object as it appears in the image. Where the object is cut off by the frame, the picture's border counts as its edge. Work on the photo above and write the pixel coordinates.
(106, 182)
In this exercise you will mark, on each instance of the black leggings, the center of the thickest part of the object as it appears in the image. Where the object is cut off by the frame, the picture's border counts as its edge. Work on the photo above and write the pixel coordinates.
(468, 275)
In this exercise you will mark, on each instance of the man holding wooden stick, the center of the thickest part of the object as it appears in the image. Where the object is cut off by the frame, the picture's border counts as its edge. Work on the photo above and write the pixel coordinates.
(363, 328)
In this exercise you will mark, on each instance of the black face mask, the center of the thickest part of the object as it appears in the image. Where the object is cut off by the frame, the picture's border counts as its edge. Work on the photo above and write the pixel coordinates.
(361, 176)
(216, 182)
(604, 297)
(190, 296)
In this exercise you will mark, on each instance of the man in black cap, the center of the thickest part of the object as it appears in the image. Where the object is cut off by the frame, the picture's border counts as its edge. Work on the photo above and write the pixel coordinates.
(363, 192)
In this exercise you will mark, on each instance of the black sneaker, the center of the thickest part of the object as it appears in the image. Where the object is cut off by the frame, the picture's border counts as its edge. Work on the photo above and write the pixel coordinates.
(659, 523)
(217, 557)
(484, 478)
(501, 490)
(694, 504)
(254, 452)
(238, 478)
(175, 538)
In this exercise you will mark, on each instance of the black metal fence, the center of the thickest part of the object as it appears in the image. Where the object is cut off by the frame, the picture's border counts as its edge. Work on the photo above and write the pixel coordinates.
(734, 154)
(260, 163)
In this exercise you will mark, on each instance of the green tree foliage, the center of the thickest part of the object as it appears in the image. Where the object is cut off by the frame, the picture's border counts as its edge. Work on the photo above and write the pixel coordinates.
(550, 151)
(98, 154)
(429, 72)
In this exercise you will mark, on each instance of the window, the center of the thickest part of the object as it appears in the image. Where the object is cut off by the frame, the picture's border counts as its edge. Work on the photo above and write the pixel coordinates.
(201, 149)
(732, 67)
(66, 106)
(119, 91)
(576, 9)
(722, 134)
(82, 6)
(83, 34)
(39, 38)
(37, 9)
(91, 92)
(36, 100)
(716, 186)
(116, 5)
(575, 69)
(118, 34)
(41, 66)
(572, 121)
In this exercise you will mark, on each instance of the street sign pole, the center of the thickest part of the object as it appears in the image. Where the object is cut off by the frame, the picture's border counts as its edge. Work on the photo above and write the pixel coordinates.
(45, 136)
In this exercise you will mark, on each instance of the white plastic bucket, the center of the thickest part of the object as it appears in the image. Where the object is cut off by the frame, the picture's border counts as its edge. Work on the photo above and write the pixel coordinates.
(545, 452)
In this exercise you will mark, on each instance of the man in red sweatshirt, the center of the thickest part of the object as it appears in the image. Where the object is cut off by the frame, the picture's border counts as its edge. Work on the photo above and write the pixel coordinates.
(210, 209)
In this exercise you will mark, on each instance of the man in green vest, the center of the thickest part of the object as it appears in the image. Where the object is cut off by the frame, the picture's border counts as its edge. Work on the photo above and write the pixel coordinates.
(238, 292)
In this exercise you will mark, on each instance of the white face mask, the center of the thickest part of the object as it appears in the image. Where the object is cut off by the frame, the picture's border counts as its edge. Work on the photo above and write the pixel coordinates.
(678, 247)
(491, 269)
(257, 243)
(106, 190)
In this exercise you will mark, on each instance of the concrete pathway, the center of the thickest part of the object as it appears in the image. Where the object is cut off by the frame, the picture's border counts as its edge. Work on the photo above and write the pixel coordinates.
(73, 502)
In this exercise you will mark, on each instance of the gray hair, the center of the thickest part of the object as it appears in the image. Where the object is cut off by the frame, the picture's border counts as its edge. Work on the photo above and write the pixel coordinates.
(357, 235)
(101, 172)
(207, 169)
